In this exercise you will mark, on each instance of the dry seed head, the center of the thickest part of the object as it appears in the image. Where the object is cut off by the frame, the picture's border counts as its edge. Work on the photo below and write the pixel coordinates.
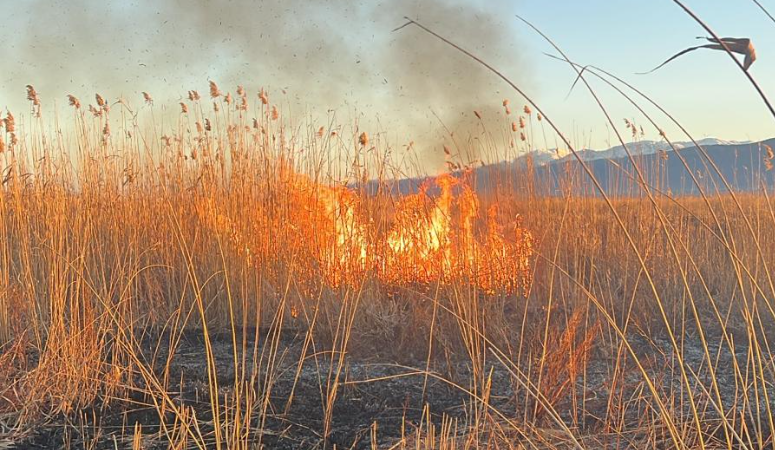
(183, 108)
(446, 150)
(508, 110)
(214, 91)
(241, 91)
(363, 139)
(505, 102)
(321, 132)
(527, 110)
(207, 125)
(73, 100)
(148, 98)
(216, 108)
(2, 146)
(522, 136)
(243, 103)
(227, 99)
(255, 123)
(275, 113)
(96, 112)
(10, 123)
(768, 157)
(514, 126)
(539, 116)
(199, 128)
(522, 122)
(193, 96)
(32, 95)
(100, 101)
(106, 128)
(478, 116)
(263, 96)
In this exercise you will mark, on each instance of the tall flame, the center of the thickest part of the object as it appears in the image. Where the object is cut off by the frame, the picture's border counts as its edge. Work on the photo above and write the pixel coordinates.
(327, 231)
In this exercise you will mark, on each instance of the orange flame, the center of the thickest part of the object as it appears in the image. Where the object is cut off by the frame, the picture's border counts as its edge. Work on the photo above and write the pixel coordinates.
(328, 234)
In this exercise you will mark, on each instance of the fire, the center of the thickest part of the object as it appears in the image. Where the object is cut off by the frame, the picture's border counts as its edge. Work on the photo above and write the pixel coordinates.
(437, 235)
(437, 240)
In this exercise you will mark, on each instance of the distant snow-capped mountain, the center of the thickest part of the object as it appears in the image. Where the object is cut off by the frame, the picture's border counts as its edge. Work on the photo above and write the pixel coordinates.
(543, 157)
(737, 166)
(741, 164)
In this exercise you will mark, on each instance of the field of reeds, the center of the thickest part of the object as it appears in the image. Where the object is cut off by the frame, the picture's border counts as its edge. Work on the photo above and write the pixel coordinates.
(235, 278)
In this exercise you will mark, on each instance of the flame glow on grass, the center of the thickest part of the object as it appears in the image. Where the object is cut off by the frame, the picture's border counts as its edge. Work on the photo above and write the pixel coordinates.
(425, 239)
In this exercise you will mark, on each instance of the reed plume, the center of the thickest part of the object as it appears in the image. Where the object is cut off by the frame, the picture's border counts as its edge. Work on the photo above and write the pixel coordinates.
(73, 101)
(214, 91)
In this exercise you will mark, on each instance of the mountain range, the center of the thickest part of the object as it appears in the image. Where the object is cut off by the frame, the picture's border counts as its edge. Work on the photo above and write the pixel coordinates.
(716, 166)
(639, 148)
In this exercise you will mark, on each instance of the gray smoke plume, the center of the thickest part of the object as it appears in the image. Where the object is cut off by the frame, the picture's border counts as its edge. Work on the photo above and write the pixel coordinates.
(334, 54)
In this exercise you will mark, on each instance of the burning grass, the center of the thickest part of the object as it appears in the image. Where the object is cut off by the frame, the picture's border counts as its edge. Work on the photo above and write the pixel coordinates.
(341, 237)
(237, 282)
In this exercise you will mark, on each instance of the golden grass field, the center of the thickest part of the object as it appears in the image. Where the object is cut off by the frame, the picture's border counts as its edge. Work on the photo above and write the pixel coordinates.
(232, 279)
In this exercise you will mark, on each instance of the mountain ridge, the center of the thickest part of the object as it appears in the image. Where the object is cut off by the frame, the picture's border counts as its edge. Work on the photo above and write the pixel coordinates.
(740, 163)
(645, 147)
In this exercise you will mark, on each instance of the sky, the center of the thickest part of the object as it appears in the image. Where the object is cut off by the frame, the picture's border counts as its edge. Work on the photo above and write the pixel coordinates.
(342, 56)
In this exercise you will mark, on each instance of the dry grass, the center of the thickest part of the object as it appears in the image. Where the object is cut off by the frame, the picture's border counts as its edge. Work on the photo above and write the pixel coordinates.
(638, 322)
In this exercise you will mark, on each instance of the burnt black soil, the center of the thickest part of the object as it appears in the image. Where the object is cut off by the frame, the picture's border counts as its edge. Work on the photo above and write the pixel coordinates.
(393, 396)
(395, 401)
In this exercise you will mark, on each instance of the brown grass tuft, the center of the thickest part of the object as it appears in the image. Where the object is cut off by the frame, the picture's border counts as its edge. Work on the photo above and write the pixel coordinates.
(214, 91)
(73, 101)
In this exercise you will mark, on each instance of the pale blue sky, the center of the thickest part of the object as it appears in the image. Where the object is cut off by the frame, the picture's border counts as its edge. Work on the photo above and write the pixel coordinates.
(704, 89)
(341, 54)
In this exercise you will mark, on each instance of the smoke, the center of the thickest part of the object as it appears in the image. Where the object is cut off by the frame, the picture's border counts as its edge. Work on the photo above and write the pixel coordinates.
(334, 54)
